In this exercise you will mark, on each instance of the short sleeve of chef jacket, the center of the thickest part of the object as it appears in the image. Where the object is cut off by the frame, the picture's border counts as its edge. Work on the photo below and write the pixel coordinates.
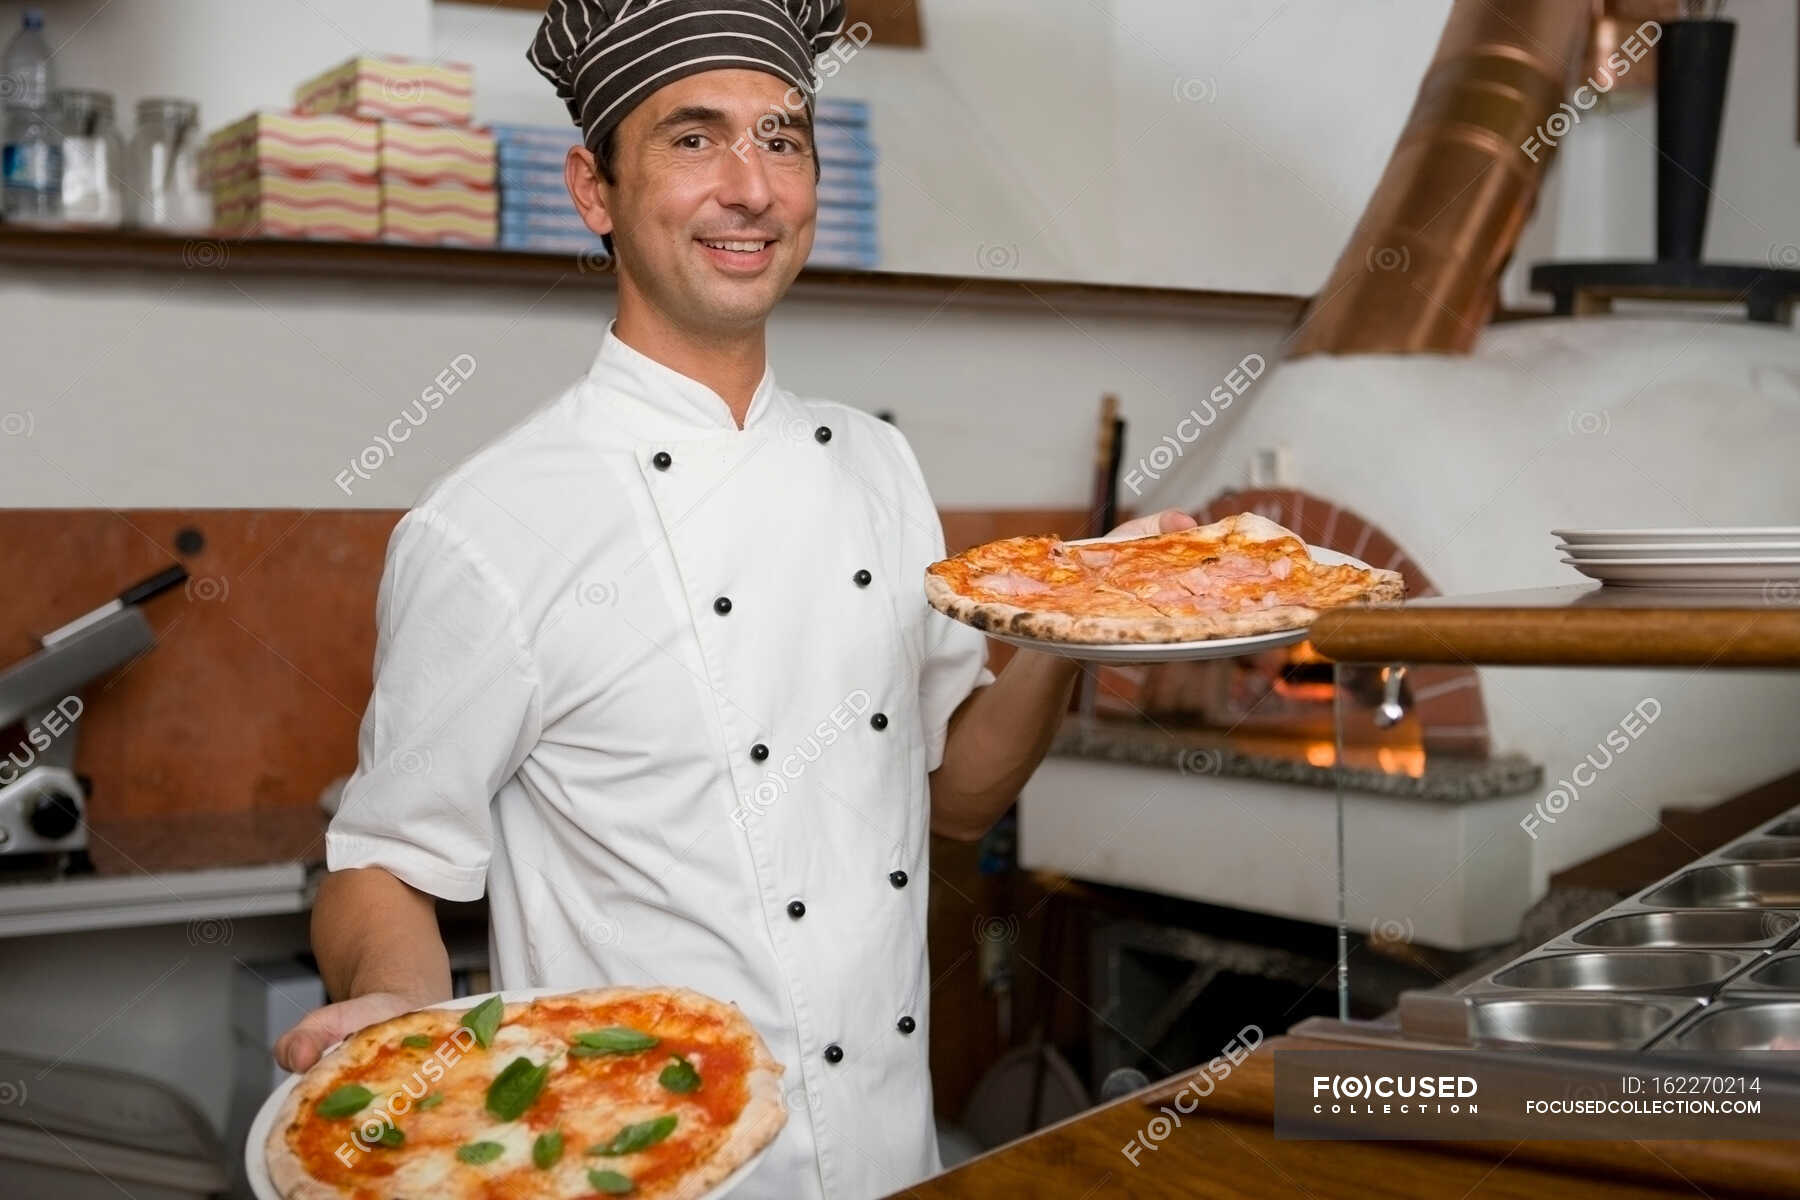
(453, 713)
(955, 655)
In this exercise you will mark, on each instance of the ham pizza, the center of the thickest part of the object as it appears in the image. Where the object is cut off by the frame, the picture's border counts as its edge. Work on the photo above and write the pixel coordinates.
(1237, 577)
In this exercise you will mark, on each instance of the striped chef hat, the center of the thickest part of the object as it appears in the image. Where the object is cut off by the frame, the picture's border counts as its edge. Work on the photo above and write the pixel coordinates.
(607, 56)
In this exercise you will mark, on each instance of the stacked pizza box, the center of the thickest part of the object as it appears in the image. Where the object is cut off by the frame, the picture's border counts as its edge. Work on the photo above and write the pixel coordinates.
(434, 172)
(278, 174)
(848, 192)
(535, 210)
(376, 148)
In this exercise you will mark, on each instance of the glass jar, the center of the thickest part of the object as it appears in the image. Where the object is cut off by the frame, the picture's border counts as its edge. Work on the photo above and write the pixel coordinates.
(163, 184)
(31, 165)
(93, 158)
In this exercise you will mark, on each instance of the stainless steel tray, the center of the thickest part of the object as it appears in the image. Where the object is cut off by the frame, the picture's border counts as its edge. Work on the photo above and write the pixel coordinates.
(1576, 1021)
(1671, 972)
(1774, 974)
(1761, 849)
(1683, 929)
(1729, 885)
(1739, 1026)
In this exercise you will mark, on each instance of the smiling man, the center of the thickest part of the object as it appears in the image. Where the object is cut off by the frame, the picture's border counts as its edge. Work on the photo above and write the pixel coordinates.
(656, 672)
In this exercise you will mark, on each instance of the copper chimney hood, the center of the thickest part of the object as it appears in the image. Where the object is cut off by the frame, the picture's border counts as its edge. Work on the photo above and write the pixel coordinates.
(1420, 272)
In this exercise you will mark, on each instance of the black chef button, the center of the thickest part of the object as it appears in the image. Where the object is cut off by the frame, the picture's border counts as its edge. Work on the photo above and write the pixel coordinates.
(879, 720)
(834, 1053)
(823, 434)
(759, 752)
(796, 909)
(661, 460)
(862, 578)
(897, 878)
(722, 605)
(906, 1025)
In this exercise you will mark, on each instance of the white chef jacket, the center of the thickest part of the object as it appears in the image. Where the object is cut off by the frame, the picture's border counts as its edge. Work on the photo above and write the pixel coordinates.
(668, 691)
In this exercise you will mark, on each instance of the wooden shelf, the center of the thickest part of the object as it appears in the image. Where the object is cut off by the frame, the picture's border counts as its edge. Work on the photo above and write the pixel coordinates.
(383, 262)
(1580, 625)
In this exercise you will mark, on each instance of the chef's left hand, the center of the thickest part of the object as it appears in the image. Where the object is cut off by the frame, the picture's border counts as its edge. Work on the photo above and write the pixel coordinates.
(1169, 520)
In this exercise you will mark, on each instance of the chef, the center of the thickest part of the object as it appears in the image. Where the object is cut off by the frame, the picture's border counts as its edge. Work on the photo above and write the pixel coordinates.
(655, 672)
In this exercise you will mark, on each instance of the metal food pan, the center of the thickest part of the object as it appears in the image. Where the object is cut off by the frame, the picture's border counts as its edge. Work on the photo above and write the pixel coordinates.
(1672, 972)
(1684, 929)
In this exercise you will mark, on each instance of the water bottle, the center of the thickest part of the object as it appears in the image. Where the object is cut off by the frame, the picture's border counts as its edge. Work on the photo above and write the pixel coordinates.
(25, 67)
(31, 148)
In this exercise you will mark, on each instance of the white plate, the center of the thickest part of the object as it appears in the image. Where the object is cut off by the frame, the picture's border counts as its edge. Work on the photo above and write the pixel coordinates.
(257, 1164)
(1155, 652)
(1755, 550)
(1716, 536)
(1777, 574)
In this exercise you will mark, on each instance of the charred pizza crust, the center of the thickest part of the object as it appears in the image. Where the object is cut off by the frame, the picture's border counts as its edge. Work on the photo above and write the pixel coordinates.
(757, 1123)
(1131, 619)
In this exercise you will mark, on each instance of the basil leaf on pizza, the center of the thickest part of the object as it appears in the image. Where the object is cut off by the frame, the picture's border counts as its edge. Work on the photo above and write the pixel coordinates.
(515, 1088)
(637, 1136)
(346, 1101)
(679, 1092)
(416, 1041)
(484, 1020)
(615, 1039)
(478, 1153)
(679, 1075)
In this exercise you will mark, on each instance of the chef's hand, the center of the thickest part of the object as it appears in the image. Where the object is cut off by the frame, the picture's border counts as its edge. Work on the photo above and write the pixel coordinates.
(1169, 520)
(300, 1047)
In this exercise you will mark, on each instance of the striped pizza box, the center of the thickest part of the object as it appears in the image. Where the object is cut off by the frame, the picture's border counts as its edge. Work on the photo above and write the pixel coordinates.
(432, 154)
(442, 214)
(311, 146)
(533, 179)
(547, 137)
(375, 87)
(287, 206)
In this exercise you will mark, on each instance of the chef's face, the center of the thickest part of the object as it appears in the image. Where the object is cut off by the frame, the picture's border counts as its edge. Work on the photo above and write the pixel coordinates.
(711, 213)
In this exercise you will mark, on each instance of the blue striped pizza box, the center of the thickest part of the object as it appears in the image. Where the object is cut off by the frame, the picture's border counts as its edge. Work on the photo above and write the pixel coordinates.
(567, 221)
(541, 177)
(551, 243)
(838, 110)
(848, 195)
(857, 220)
(550, 136)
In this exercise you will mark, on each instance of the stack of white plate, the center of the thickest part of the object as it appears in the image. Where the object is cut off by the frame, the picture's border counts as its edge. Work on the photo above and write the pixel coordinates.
(1766, 558)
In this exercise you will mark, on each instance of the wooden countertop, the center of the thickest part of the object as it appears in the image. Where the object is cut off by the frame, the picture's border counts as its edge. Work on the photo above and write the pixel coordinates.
(1579, 625)
(1227, 1149)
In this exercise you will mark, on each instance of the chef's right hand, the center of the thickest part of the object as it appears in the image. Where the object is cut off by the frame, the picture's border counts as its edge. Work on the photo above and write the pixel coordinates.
(300, 1047)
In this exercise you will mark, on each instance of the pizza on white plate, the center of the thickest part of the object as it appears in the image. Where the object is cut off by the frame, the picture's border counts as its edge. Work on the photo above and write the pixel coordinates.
(648, 1092)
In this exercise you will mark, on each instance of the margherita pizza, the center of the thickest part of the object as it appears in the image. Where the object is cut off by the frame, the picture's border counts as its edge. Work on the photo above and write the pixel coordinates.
(1240, 576)
(648, 1092)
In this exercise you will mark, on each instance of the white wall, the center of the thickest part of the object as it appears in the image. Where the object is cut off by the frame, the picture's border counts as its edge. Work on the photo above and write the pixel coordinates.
(204, 389)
